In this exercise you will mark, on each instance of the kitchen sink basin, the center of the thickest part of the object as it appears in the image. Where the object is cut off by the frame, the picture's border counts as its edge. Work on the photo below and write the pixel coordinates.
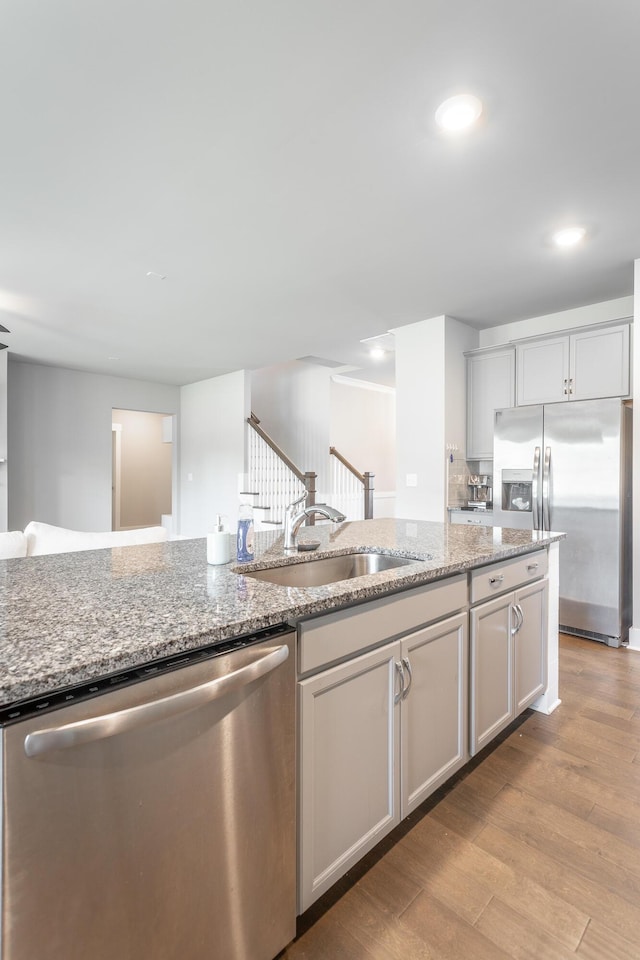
(323, 570)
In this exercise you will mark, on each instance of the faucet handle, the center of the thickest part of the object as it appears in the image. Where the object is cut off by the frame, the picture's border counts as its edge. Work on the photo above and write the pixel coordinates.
(290, 508)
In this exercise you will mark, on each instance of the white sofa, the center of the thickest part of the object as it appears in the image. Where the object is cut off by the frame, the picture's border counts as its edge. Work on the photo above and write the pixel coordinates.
(13, 544)
(43, 538)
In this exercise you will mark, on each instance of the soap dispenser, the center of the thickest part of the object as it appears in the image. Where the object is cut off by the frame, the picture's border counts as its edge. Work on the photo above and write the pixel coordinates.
(218, 544)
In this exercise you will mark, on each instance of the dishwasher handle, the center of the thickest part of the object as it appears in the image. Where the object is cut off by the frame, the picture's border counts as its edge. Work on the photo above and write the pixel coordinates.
(110, 724)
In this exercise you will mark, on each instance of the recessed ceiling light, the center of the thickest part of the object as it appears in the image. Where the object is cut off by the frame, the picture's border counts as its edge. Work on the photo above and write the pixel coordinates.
(569, 236)
(458, 113)
(156, 276)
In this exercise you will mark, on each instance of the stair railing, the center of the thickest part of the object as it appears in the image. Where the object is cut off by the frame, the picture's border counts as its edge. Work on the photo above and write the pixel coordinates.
(351, 491)
(273, 476)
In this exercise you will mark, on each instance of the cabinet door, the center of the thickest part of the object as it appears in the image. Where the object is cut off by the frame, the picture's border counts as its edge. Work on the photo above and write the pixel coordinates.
(349, 792)
(599, 363)
(543, 371)
(530, 644)
(434, 708)
(490, 386)
(491, 670)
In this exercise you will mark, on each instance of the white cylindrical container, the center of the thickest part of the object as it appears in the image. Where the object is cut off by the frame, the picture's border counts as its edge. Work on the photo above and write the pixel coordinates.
(218, 547)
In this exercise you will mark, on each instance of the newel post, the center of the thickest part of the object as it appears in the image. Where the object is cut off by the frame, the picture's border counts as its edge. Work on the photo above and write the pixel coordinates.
(368, 495)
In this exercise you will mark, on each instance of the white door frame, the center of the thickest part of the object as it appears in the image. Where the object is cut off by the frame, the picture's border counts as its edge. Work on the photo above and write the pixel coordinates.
(116, 474)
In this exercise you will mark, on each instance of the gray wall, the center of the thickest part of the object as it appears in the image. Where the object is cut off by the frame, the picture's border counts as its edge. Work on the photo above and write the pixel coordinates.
(59, 441)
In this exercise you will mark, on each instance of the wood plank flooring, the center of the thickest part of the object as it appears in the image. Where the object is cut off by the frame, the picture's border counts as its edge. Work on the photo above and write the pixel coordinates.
(531, 853)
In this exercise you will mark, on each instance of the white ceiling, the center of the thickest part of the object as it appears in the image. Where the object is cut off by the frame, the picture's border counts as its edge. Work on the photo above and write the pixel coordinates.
(277, 161)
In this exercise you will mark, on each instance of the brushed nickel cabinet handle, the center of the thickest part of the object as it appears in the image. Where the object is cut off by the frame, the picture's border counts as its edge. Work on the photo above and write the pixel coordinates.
(407, 665)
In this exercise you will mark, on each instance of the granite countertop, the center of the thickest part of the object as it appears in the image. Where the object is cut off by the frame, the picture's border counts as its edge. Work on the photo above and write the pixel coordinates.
(68, 618)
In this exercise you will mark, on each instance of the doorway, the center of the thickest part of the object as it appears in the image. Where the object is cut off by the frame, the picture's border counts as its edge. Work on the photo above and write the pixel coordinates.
(142, 469)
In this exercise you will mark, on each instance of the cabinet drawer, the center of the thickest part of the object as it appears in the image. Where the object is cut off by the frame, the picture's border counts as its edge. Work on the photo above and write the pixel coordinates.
(479, 519)
(336, 636)
(507, 575)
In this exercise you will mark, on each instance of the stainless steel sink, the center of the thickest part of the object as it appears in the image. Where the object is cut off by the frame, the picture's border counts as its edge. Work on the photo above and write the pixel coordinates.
(323, 570)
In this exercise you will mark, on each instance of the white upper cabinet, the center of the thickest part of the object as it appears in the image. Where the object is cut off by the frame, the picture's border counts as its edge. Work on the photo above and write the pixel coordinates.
(490, 386)
(543, 371)
(585, 365)
(599, 363)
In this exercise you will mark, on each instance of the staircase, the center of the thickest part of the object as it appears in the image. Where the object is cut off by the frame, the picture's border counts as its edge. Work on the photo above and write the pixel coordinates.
(275, 482)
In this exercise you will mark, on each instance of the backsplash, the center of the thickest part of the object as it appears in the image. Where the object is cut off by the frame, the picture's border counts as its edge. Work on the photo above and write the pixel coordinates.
(466, 478)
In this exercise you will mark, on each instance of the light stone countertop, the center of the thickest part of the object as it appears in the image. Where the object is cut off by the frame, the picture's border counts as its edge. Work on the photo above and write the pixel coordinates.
(69, 618)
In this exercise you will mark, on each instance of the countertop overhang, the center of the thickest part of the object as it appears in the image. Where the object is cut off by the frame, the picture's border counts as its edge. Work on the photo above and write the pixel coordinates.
(69, 618)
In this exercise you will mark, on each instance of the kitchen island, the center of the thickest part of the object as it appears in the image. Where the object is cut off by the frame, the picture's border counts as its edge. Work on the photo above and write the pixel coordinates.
(134, 800)
(70, 618)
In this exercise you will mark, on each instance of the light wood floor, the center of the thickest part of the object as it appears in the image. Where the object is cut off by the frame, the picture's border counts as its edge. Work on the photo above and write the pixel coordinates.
(533, 853)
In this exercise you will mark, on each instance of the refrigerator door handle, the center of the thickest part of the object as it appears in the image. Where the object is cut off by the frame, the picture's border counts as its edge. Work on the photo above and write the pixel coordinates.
(546, 476)
(535, 491)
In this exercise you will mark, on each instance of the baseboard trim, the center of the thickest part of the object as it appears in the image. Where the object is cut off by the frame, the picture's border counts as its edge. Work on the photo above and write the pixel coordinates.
(548, 709)
(634, 639)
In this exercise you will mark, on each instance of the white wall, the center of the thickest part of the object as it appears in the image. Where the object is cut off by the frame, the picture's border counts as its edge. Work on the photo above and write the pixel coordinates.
(420, 425)
(363, 428)
(553, 322)
(4, 503)
(430, 410)
(59, 449)
(292, 401)
(458, 338)
(634, 633)
(212, 450)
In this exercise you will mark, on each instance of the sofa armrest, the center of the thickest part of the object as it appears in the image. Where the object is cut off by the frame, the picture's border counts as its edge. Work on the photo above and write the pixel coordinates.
(44, 538)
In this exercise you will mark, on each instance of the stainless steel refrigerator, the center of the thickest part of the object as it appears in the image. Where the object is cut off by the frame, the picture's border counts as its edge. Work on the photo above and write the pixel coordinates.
(567, 467)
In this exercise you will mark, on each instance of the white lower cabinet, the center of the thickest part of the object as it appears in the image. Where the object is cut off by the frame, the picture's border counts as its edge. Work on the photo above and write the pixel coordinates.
(349, 785)
(508, 652)
(377, 735)
(434, 708)
(530, 645)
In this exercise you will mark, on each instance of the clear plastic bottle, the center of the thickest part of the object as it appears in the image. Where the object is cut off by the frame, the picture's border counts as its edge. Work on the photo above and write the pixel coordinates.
(245, 533)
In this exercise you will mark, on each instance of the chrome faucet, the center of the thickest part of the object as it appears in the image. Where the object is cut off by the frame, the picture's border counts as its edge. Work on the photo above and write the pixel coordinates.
(294, 518)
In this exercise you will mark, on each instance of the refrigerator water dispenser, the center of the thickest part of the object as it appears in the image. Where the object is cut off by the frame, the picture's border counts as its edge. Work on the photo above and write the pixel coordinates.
(517, 491)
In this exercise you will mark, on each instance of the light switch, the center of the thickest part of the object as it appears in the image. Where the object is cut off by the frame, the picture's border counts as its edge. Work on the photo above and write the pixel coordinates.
(412, 479)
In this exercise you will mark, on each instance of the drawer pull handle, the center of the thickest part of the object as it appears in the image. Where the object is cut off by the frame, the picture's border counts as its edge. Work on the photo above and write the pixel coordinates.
(498, 579)
(407, 665)
(532, 566)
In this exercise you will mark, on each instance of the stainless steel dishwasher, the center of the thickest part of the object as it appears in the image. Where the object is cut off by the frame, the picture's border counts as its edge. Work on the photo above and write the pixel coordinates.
(151, 815)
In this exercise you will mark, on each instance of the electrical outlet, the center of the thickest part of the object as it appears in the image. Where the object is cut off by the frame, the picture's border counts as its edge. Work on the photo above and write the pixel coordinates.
(412, 479)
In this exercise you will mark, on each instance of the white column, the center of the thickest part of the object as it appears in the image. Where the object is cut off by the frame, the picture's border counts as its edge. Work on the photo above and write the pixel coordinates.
(548, 702)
